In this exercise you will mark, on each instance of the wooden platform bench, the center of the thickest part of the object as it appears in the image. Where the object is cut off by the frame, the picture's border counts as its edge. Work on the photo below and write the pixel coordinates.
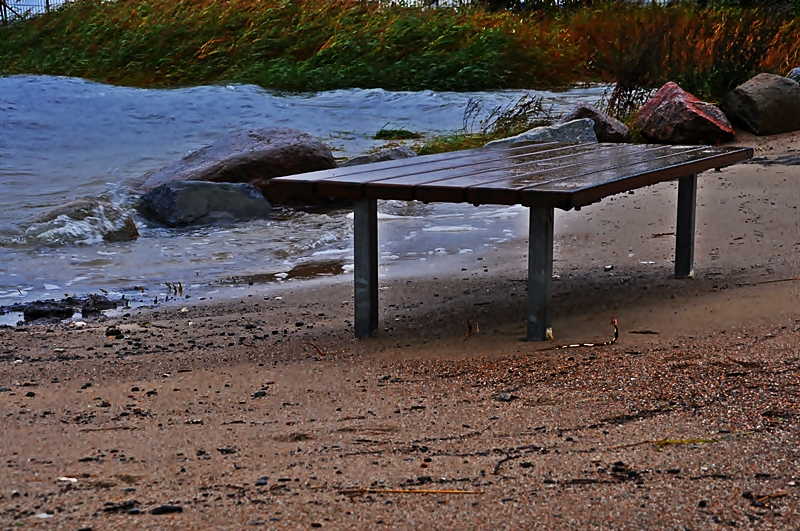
(541, 176)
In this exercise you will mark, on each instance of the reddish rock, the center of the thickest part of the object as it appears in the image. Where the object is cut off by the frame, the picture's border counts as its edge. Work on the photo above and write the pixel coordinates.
(673, 116)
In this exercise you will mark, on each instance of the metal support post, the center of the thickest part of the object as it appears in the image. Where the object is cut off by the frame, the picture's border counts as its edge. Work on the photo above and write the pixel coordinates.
(366, 267)
(684, 230)
(540, 273)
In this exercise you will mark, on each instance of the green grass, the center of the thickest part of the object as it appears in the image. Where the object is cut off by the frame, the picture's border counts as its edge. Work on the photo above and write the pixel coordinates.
(308, 45)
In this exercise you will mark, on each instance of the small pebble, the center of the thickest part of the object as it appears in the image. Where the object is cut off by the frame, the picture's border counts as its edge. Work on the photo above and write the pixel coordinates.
(4, 389)
(259, 394)
(262, 481)
(504, 397)
(30, 394)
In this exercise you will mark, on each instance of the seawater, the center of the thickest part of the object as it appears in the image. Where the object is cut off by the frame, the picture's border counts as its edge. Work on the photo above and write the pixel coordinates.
(63, 139)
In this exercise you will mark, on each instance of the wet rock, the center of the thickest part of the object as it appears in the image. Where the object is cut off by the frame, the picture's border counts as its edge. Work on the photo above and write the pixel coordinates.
(49, 309)
(794, 75)
(393, 153)
(252, 157)
(64, 309)
(166, 509)
(674, 116)
(765, 105)
(606, 128)
(120, 507)
(182, 203)
(95, 304)
(581, 130)
(116, 333)
(84, 221)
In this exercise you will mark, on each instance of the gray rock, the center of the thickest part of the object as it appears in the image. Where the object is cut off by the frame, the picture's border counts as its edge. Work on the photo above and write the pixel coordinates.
(393, 153)
(181, 203)
(252, 157)
(84, 221)
(606, 128)
(794, 75)
(575, 131)
(765, 105)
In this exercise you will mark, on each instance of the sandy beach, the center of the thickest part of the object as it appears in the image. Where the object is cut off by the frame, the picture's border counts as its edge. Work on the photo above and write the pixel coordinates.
(263, 412)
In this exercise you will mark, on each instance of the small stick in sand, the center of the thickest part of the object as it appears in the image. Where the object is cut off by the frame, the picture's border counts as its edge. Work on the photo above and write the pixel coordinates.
(109, 428)
(780, 494)
(319, 350)
(360, 491)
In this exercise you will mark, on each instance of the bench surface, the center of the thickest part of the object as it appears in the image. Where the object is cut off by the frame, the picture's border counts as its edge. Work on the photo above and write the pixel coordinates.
(549, 175)
(541, 176)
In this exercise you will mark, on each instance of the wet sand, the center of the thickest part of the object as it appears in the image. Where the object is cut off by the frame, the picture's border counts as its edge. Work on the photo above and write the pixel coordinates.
(265, 413)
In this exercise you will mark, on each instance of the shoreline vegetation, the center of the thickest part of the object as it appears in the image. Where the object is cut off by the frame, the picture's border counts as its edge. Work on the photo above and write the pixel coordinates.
(312, 45)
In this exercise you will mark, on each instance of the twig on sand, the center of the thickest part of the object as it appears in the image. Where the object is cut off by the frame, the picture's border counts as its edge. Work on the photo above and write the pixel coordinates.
(319, 350)
(361, 491)
(781, 494)
(109, 428)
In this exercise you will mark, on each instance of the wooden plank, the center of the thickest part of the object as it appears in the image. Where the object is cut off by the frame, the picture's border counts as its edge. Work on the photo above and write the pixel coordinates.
(403, 187)
(509, 190)
(591, 187)
(347, 181)
(403, 164)
(413, 174)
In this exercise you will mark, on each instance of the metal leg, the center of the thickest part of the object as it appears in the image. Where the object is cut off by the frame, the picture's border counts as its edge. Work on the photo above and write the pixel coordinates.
(540, 273)
(366, 267)
(684, 230)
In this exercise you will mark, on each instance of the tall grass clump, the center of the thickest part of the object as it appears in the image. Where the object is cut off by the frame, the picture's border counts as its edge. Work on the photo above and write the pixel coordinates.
(706, 51)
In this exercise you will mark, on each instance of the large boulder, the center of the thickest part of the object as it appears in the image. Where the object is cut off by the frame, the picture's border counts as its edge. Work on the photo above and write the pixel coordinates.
(674, 116)
(181, 203)
(606, 128)
(765, 105)
(575, 131)
(393, 153)
(252, 157)
(83, 221)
